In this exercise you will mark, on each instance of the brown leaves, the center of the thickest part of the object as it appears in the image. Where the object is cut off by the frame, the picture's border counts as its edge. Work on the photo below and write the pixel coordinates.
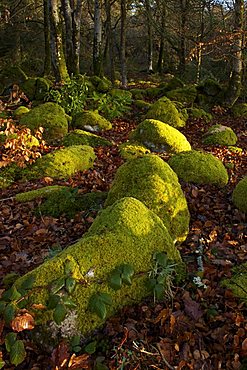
(23, 321)
(61, 359)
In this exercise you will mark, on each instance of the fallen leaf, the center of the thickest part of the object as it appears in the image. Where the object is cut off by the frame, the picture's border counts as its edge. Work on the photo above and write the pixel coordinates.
(22, 322)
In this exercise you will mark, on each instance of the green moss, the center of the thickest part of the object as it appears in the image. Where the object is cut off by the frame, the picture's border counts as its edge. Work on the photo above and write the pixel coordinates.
(153, 182)
(200, 113)
(159, 136)
(42, 88)
(141, 104)
(185, 95)
(80, 137)
(240, 110)
(235, 149)
(132, 150)
(122, 233)
(29, 87)
(91, 121)
(173, 83)
(221, 135)
(138, 93)
(154, 92)
(101, 84)
(62, 163)
(239, 195)
(38, 193)
(238, 282)
(9, 175)
(51, 117)
(11, 75)
(164, 110)
(120, 93)
(20, 111)
(209, 87)
(200, 168)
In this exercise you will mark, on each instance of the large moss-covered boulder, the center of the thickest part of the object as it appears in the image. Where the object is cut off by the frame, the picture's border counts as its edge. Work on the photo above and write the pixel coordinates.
(91, 121)
(51, 117)
(154, 183)
(238, 282)
(239, 195)
(138, 93)
(101, 84)
(200, 113)
(185, 95)
(221, 135)
(36, 88)
(80, 137)
(160, 137)
(142, 104)
(62, 163)
(131, 150)
(164, 110)
(240, 110)
(199, 168)
(127, 233)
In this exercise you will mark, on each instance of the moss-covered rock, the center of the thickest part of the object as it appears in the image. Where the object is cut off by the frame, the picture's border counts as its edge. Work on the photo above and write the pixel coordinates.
(209, 87)
(238, 282)
(154, 92)
(154, 183)
(27, 140)
(80, 137)
(122, 234)
(200, 168)
(160, 137)
(120, 93)
(20, 111)
(62, 163)
(172, 83)
(11, 75)
(44, 192)
(142, 104)
(199, 113)
(240, 110)
(138, 93)
(185, 95)
(51, 117)
(130, 150)
(36, 88)
(239, 195)
(101, 84)
(221, 135)
(164, 110)
(91, 121)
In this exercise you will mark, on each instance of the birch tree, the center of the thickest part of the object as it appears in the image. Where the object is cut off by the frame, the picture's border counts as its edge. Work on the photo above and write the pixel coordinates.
(97, 42)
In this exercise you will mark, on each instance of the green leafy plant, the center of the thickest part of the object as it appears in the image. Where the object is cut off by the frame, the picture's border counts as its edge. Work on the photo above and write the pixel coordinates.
(161, 276)
(98, 302)
(121, 275)
(110, 106)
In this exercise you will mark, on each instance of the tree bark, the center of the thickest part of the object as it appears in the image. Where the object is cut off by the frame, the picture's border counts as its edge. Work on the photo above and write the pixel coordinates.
(97, 42)
(109, 41)
(47, 36)
(182, 49)
(150, 36)
(57, 53)
(123, 44)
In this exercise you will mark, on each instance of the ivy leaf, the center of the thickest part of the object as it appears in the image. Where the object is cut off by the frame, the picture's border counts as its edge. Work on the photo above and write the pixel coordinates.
(28, 282)
(59, 313)
(10, 340)
(151, 284)
(90, 347)
(9, 313)
(11, 294)
(159, 291)
(97, 304)
(17, 353)
(75, 341)
(106, 298)
(53, 301)
(128, 272)
(70, 284)
(22, 304)
(68, 302)
(2, 306)
(58, 285)
(115, 281)
(161, 259)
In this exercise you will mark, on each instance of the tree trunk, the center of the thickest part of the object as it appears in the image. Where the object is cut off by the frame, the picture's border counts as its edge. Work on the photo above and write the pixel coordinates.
(57, 53)
(182, 49)
(235, 83)
(109, 41)
(67, 13)
(77, 36)
(47, 36)
(97, 42)
(150, 36)
(160, 63)
(123, 44)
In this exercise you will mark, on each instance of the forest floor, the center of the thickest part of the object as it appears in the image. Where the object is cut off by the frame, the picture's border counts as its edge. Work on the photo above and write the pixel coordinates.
(199, 328)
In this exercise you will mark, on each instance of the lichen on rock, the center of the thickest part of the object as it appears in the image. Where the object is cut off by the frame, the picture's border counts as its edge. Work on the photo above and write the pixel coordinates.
(221, 135)
(200, 168)
(153, 182)
(239, 195)
(91, 121)
(160, 137)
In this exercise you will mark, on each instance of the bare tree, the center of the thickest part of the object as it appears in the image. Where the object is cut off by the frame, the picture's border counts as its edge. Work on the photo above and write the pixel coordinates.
(123, 44)
(97, 42)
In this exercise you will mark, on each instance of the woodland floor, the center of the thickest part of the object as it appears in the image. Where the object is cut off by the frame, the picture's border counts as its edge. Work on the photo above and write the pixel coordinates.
(198, 328)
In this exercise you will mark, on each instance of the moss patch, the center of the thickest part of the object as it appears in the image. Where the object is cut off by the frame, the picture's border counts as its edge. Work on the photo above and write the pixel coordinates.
(164, 110)
(28, 141)
(132, 150)
(20, 111)
(101, 84)
(80, 137)
(200, 113)
(200, 168)
(185, 95)
(154, 183)
(240, 110)
(221, 135)
(91, 121)
(122, 233)
(38, 193)
(239, 195)
(138, 93)
(51, 117)
(159, 136)
(238, 282)
(141, 104)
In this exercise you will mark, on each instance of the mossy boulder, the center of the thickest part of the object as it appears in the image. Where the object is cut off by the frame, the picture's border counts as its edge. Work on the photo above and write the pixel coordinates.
(130, 150)
(239, 195)
(101, 84)
(138, 93)
(200, 168)
(160, 137)
(164, 110)
(200, 113)
(154, 183)
(172, 83)
(20, 111)
(154, 92)
(121, 94)
(27, 140)
(221, 135)
(80, 137)
(91, 121)
(62, 163)
(142, 104)
(44, 192)
(185, 95)
(209, 87)
(11, 75)
(51, 117)
(238, 282)
(240, 110)
(122, 234)
(36, 88)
